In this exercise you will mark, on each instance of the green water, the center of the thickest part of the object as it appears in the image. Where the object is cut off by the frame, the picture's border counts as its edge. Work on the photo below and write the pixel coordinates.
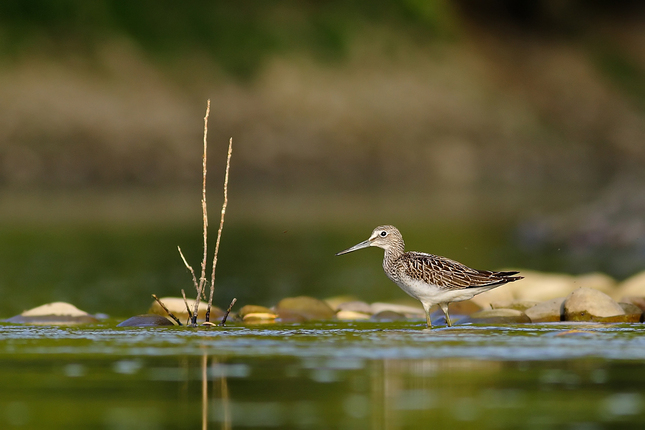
(114, 269)
(323, 376)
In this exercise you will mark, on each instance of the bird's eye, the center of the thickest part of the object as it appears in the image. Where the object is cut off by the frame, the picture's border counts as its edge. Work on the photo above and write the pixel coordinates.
(383, 233)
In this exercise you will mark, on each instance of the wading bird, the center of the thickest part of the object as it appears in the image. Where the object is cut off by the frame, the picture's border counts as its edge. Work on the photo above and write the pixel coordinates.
(431, 279)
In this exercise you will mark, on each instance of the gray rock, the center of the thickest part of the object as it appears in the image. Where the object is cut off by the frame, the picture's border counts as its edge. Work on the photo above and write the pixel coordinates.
(549, 311)
(147, 320)
(587, 304)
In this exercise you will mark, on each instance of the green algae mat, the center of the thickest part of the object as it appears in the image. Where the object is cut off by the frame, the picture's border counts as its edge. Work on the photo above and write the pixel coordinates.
(323, 376)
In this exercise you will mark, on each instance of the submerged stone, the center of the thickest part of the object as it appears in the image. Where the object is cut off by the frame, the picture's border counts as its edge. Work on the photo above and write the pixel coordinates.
(146, 320)
(587, 304)
(310, 308)
(56, 313)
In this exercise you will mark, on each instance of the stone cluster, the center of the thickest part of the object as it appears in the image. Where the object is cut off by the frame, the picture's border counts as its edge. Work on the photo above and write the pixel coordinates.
(539, 298)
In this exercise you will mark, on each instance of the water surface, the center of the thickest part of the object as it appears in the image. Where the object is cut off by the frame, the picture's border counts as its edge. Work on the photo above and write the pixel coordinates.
(327, 375)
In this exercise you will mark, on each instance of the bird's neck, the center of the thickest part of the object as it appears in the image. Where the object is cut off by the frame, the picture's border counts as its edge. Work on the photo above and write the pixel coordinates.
(392, 253)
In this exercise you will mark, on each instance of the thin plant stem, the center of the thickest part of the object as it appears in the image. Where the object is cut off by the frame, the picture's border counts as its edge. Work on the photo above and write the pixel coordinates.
(154, 296)
(202, 278)
(190, 314)
(189, 267)
(228, 311)
(221, 226)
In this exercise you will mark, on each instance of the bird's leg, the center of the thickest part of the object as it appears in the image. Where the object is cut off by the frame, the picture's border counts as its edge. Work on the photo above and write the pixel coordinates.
(428, 320)
(444, 308)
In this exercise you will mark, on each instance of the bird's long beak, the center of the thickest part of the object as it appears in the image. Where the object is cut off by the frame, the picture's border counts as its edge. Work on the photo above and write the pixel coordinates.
(364, 244)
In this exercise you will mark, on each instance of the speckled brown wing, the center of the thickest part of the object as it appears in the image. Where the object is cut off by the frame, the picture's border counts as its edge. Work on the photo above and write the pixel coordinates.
(450, 274)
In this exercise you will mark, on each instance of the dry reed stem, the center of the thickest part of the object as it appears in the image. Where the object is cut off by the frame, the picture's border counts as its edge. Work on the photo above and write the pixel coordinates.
(228, 311)
(221, 226)
(154, 296)
(202, 278)
(190, 314)
(189, 267)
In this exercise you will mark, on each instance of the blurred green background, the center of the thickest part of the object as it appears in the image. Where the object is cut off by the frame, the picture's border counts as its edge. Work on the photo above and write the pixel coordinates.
(498, 133)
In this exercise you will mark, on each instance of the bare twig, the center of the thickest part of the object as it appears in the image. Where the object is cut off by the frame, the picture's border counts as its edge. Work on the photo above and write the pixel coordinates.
(202, 278)
(228, 311)
(221, 226)
(188, 266)
(154, 296)
(190, 314)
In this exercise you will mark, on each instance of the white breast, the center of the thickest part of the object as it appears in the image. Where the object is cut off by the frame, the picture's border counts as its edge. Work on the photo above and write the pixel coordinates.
(432, 294)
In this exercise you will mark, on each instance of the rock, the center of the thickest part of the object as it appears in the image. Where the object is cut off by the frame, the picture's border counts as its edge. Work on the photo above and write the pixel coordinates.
(587, 304)
(638, 301)
(355, 306)
(549, 311)
(333, 302)
(465, 307)
(388, 315)
(310, 308)
(254, 309)
(632, 312)
(56, 313)
(260, 318)
(407, 311)
(634, 286)
(352, 316)
(177, 306)
(539, 287)
(497, 316)
(289, 316)
(520, 305)
(147, 320)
